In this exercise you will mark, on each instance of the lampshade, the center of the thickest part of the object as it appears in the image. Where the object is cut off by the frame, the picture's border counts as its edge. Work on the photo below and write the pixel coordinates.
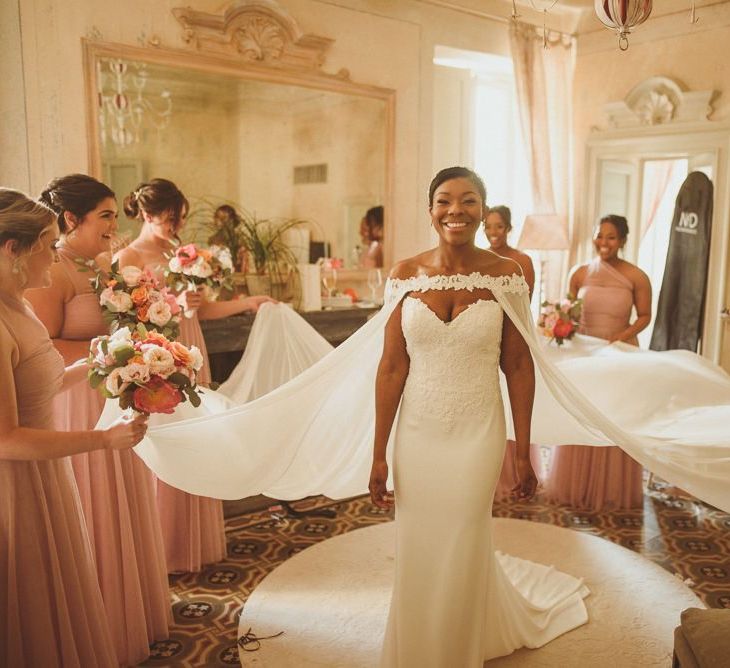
(544, 231)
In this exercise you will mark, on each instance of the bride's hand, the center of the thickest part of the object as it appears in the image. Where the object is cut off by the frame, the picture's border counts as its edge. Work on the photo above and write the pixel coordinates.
(526, 486)
(379, 495)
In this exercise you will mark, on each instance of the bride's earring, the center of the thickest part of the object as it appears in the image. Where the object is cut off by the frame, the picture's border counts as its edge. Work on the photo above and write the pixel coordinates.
(16, 266)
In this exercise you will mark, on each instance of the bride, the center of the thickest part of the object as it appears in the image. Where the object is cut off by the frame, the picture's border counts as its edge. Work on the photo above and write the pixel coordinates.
(453, 602)
(442, 338)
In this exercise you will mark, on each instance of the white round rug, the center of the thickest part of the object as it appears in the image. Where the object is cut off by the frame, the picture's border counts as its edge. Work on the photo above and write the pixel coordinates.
(331, 601)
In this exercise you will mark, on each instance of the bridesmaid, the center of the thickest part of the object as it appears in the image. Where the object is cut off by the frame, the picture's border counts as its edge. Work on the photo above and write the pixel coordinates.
(116, 488)
(51, 608)
(192, 526)
(497, 226)
(596, 478)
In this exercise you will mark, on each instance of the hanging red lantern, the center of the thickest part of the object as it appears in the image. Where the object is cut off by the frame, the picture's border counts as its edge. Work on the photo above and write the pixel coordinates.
(622, 16)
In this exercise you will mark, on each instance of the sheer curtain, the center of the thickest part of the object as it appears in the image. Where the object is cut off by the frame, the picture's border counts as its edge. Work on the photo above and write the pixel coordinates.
(544, 86)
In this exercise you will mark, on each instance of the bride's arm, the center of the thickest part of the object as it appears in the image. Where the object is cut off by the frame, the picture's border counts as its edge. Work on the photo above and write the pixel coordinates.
(389, 383)
(516, 363)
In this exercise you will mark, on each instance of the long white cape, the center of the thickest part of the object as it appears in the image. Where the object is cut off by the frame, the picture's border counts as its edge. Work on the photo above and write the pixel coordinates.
(314, 434)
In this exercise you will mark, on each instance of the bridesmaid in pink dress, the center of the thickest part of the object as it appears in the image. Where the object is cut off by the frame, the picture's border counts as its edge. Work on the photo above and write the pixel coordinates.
(192, 526)
(51, 609)
(596, 478)
(116, 488)
(497, 226)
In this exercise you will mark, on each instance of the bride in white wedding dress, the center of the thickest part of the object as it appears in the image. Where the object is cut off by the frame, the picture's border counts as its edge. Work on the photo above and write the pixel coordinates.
(456, 603)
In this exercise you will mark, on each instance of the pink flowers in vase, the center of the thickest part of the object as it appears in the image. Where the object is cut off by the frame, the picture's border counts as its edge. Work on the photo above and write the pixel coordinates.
(190, 266)
(559, 320)
(144, 370)
(130, 295)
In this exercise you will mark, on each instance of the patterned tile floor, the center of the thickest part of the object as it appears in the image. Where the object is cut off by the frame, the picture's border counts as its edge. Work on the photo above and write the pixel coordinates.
(688, 538)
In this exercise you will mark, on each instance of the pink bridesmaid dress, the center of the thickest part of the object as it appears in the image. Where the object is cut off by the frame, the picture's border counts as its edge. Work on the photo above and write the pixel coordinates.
(193, 530)
(51, 609)
(192, 526)
(118, 498)
(597, 478)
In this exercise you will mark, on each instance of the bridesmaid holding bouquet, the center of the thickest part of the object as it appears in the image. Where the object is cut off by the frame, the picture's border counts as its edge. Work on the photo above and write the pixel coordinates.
(116, 488)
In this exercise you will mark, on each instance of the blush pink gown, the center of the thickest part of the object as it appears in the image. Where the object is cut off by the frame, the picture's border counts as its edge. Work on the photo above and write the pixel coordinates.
(597, 478)
(192, 526)
(51, 610)
(193, 530)
(117, 494)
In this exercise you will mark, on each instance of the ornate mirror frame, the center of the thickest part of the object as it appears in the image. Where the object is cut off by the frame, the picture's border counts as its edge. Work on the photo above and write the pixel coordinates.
(253, 40)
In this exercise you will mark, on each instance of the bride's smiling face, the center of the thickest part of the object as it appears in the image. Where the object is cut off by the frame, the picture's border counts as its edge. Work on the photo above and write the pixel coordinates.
(456, 211)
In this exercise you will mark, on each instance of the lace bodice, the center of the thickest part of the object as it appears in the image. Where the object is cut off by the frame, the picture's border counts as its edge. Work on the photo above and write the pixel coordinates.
(453, 366)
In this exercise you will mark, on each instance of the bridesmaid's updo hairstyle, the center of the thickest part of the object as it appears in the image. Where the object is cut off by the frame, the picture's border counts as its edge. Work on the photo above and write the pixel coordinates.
(22, 220)
(504, 213)
(619, 222)
(76, 193)
(457, 173)
(154, 198)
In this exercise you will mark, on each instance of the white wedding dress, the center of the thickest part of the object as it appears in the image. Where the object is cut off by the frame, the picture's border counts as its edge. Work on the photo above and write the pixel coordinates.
(455, 602)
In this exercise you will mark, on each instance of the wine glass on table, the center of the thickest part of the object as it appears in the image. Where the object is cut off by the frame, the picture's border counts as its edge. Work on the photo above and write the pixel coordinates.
(329, 280)
(375, 281)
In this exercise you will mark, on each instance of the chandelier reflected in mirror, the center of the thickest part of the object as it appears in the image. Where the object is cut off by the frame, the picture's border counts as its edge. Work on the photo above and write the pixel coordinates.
(124, 106)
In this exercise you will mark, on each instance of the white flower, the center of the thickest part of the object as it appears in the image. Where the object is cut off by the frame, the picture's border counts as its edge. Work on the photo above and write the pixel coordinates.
(134, 373)
(154, 296)
(223, 255)
(120, 340)
(159, 313)
(200, 268)
(175, 265)
(160, 361)
(115, 384)
(197, 358)
(131, 275)
(117, 301)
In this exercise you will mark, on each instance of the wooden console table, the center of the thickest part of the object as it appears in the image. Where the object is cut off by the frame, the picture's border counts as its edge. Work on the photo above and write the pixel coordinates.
(226, 338)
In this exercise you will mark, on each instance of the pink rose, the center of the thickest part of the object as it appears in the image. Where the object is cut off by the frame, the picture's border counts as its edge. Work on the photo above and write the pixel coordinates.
(157, 396)
(187, 254)
(171, 301)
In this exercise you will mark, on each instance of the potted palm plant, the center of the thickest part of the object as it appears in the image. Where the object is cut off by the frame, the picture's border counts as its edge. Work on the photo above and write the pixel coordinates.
(258, 245)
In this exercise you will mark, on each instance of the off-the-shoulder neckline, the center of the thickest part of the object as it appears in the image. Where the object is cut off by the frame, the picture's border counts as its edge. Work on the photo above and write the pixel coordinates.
(473, 274)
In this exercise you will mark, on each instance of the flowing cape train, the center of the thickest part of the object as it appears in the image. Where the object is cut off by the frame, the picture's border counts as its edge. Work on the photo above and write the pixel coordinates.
(314, 434)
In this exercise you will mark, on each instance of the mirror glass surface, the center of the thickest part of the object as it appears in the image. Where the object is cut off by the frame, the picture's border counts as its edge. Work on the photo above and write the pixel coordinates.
(275, 150)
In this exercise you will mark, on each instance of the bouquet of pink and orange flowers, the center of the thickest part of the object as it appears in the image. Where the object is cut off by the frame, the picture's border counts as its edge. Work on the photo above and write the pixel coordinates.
(144, 370)
(131, 295)
(191, 266)
(559, 320)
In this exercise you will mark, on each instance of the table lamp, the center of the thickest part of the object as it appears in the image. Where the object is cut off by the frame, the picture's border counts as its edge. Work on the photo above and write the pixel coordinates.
(544, 232)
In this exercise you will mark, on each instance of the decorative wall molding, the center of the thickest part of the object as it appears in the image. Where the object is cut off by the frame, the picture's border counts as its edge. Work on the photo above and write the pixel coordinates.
(659, 101)
(255, 31)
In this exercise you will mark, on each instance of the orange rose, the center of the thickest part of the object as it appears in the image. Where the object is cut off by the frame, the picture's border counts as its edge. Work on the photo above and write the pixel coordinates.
(111, 283)
(563, 329)
(140, 295)
(181, 354)
(156, 338)
(142, 313)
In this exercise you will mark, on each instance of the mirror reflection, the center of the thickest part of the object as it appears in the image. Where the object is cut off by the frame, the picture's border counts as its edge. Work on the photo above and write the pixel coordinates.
(270, 150)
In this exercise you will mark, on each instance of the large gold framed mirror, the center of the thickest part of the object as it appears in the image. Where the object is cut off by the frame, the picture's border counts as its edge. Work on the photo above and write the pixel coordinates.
(245, 116)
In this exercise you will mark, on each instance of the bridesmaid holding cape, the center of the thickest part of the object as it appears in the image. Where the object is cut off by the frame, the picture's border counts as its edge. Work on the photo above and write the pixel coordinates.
(601, 478)
(51, 607)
